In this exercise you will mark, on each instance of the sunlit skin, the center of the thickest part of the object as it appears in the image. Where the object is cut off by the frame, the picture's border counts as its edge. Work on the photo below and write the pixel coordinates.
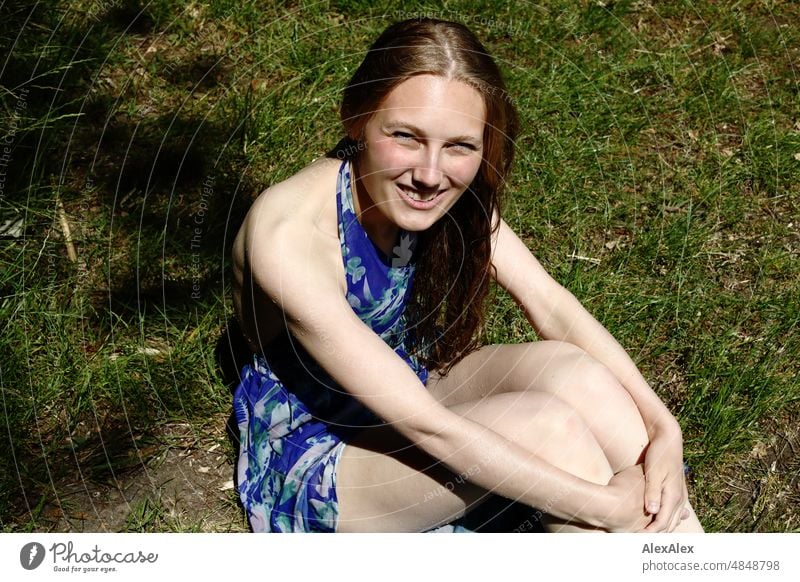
(567, 424)
(425, 142)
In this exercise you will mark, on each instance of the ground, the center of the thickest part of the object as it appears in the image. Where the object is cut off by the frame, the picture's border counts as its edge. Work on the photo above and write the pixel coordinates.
(182, 488)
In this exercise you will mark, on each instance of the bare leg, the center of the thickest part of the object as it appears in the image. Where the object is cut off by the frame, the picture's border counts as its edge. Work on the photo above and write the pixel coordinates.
(564, 371)
(384, 483)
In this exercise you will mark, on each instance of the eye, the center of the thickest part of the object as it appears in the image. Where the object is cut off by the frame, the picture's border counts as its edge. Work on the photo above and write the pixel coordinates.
(402, 136)
(463, 147)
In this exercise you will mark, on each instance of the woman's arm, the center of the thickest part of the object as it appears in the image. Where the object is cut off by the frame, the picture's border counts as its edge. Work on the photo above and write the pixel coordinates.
(302, 282)
(557, 315)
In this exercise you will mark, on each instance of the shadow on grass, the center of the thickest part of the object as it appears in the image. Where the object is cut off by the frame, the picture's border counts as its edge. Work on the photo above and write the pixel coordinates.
(134, 185)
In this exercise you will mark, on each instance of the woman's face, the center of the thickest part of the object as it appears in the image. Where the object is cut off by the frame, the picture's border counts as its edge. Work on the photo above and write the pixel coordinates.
(423, 148)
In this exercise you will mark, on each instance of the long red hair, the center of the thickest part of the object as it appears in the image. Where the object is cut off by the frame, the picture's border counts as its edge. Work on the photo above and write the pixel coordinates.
(452, 277)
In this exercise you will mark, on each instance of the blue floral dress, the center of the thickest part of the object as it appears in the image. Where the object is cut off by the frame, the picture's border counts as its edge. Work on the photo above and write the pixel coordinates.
(293, 419)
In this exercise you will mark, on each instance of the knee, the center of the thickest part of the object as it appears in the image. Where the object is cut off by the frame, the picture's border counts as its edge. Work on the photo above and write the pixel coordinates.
(547, 426)
(577, 370)
(537, 418)
(564, 425)
(577, 449)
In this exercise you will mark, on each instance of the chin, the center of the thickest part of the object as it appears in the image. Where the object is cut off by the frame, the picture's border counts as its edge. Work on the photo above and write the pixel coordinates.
(416, 220)
(418, 225)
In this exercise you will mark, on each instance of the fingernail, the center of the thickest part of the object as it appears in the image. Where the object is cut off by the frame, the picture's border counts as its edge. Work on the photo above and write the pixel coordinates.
(652, 507)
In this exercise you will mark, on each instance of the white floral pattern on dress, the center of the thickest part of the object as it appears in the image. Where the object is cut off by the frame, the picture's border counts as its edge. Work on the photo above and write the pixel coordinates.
(291, 422)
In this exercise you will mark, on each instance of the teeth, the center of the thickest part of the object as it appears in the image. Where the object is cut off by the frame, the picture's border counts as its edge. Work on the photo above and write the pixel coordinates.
(416, 196)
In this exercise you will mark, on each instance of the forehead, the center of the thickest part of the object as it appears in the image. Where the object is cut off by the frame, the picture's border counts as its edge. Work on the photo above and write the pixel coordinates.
(437, 105)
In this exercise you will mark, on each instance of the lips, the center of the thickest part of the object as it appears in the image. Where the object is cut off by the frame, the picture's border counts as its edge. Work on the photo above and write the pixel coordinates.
(419, 201)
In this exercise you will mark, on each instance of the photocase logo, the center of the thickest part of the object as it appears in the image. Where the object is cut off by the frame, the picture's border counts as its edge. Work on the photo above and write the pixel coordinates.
(31, 555)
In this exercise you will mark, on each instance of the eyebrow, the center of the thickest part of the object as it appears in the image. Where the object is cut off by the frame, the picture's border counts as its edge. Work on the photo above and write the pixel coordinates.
(460, 138)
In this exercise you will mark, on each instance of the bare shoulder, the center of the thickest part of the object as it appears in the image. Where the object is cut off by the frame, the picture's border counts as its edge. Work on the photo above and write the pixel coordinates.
(288, 240)
(297, 214)
(301, 196)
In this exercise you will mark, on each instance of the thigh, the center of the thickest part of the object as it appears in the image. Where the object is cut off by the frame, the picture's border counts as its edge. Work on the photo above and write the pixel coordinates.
(559, 369)
(550, 366)
(385, 483)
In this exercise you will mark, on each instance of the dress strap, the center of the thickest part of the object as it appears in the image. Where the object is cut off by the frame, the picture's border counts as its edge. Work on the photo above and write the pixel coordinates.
(378, 287)
(353, 238)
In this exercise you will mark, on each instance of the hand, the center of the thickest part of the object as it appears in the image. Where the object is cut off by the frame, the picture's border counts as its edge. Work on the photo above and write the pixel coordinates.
(665, 486)
(624, 509)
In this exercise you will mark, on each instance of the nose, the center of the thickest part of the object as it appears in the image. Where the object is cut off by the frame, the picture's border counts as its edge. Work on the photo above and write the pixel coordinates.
(427, 175)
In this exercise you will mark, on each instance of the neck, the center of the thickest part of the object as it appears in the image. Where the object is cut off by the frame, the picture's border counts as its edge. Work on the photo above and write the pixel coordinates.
(382, 231)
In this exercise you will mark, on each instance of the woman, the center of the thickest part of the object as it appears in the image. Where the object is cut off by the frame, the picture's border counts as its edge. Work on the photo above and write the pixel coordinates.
(368, 406)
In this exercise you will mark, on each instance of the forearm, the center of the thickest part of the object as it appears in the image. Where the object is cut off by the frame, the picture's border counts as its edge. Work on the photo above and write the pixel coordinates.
(556, 314)
(506, 468)
(574, 324)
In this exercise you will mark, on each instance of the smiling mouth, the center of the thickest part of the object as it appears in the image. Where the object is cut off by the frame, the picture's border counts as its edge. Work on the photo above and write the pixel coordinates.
(418, 196)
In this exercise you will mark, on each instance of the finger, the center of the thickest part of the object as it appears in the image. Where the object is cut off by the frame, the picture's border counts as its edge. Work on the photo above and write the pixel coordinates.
(659, 524)
(647, 520)
(682, 510)
(676, 511)
(652, 493)
(676, 507)
(671, 522)
(675, 522)
(668, 516)
(662, 520)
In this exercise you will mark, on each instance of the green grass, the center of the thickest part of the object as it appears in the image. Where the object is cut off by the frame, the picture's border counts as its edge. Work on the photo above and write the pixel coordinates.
(659, 144)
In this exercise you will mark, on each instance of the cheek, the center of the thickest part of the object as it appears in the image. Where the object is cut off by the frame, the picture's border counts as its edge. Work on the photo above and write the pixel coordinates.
(463, 171)
(386, 155)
